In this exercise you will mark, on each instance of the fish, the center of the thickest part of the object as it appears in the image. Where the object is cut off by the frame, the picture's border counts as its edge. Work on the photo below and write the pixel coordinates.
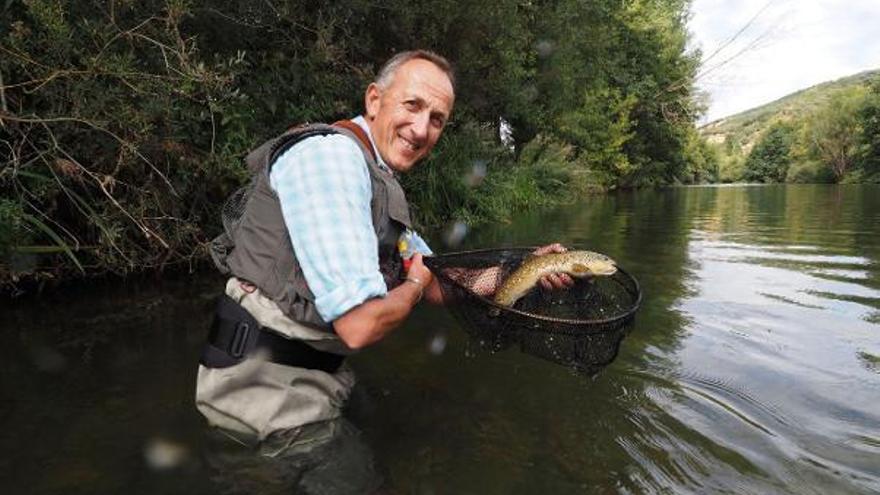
(578, 264)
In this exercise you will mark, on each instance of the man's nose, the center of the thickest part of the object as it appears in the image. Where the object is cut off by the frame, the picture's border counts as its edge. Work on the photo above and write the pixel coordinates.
(420, 125)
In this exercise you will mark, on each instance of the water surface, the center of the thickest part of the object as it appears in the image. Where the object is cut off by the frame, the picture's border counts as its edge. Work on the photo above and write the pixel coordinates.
(753, 367)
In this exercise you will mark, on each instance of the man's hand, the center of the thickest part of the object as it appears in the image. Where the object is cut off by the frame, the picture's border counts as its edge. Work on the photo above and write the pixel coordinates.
(371, 320)
(419, 274)
(554, 281)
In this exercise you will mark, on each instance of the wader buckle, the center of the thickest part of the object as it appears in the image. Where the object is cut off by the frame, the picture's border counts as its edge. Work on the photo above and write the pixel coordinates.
(239, 345)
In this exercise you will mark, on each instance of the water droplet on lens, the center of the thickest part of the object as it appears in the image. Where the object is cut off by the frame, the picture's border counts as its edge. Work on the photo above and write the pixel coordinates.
(437, 344)
(455, 233)
(162, 454)
(477, 173)
(544, 48)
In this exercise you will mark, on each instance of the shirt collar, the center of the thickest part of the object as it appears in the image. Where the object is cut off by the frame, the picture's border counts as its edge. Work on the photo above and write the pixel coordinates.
(361, 121)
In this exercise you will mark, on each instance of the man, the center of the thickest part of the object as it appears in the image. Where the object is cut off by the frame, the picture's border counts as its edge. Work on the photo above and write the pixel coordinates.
(307, 283)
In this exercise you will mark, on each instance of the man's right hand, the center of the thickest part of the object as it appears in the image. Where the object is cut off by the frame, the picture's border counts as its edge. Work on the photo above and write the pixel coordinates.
(418, 273)
(370, 321)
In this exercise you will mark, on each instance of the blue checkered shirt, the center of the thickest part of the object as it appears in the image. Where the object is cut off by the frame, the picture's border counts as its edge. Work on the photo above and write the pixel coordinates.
(324, 188)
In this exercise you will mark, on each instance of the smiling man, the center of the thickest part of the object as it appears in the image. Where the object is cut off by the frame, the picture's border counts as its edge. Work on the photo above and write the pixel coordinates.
(407, 107)
(314, 268)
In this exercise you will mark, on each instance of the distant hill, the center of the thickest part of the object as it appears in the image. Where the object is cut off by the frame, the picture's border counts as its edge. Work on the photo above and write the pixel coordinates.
(743, 129)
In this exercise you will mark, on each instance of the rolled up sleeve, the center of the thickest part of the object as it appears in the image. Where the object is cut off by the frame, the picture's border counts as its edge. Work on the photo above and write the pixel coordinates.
(324, 189)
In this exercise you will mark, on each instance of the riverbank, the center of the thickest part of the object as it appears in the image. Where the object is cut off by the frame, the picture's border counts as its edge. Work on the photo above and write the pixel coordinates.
(124, 127)
(447, 203)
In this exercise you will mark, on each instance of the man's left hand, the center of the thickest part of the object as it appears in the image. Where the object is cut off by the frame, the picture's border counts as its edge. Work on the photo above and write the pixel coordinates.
(554, 281)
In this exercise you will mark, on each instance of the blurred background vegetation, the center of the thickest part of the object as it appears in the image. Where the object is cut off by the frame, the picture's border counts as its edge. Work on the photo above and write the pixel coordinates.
(829, 133)
(123, 123)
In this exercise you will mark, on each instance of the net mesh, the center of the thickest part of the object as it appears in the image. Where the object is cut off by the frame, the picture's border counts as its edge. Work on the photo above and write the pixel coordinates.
(233, 208)
(581, 327)
(231, 215)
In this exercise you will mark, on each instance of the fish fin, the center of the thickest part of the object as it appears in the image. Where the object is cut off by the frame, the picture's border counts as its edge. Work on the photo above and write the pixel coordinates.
(580, 268)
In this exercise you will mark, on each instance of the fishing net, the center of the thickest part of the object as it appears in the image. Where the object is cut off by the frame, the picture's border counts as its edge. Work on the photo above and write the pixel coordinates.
(231, 215)
(581, 327)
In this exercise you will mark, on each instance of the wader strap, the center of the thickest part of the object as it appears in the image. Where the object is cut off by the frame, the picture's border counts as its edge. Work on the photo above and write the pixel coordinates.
(299, 133)
(235, 335)
(358, 131)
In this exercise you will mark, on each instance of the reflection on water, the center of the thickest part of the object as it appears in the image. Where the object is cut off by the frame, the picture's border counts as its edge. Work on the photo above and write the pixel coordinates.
(753, 367)
(773, 342)
(749, 369)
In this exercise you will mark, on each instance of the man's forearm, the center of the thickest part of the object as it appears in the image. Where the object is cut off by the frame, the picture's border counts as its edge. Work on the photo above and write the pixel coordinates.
(370, 321)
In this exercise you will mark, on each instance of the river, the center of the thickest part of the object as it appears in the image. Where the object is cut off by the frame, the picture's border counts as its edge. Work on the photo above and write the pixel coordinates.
(753, 366)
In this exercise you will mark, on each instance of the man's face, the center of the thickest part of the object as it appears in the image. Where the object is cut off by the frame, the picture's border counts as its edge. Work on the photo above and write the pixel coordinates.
(407, 117)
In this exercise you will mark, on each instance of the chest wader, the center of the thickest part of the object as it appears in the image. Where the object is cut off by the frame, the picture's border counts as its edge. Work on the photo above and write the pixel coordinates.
(256, 248)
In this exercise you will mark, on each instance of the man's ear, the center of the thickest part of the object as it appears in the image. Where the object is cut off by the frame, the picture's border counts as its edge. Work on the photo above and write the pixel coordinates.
(372, 100)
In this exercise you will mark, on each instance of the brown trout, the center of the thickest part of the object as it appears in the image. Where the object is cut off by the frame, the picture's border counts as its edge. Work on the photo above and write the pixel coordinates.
(578, 264)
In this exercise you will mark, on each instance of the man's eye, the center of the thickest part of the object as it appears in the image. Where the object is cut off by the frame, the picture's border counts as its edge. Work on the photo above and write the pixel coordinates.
(411, 105)
(437, 122)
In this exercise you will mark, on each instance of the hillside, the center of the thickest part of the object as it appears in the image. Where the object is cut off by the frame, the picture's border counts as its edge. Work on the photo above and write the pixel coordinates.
(743, 129)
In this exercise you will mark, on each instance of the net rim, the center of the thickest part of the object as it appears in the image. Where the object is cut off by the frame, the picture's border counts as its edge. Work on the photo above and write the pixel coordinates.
(629, 313)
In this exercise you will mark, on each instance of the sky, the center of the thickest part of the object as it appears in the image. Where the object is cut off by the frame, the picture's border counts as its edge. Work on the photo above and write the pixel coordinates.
(756, 51)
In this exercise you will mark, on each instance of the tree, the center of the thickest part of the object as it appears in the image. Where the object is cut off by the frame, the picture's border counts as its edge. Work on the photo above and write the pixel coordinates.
(770, 158)
(703, 161)
(869, 115)
(833, 132)
(123, 124)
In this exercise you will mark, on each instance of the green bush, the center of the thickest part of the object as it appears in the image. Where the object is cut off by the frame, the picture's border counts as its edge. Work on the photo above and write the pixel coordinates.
(123, 124)
(770, 159)
(809, 172)
(471, 178)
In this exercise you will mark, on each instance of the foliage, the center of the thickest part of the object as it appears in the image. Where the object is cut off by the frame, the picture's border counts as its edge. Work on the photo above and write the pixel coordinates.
(110, 135)
(833, 132)
(869, 115)
(123, 124)
(731, 162)
(465, 183)
(703, 161)
(10, 225)
(617, 81)
(447, 185)
(544, 174)
(599, 128)
(745, 128)
(770, 159)
(805, 167)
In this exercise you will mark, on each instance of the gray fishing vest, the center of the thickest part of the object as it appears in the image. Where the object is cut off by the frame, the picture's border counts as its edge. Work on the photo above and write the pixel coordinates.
(256, 246)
